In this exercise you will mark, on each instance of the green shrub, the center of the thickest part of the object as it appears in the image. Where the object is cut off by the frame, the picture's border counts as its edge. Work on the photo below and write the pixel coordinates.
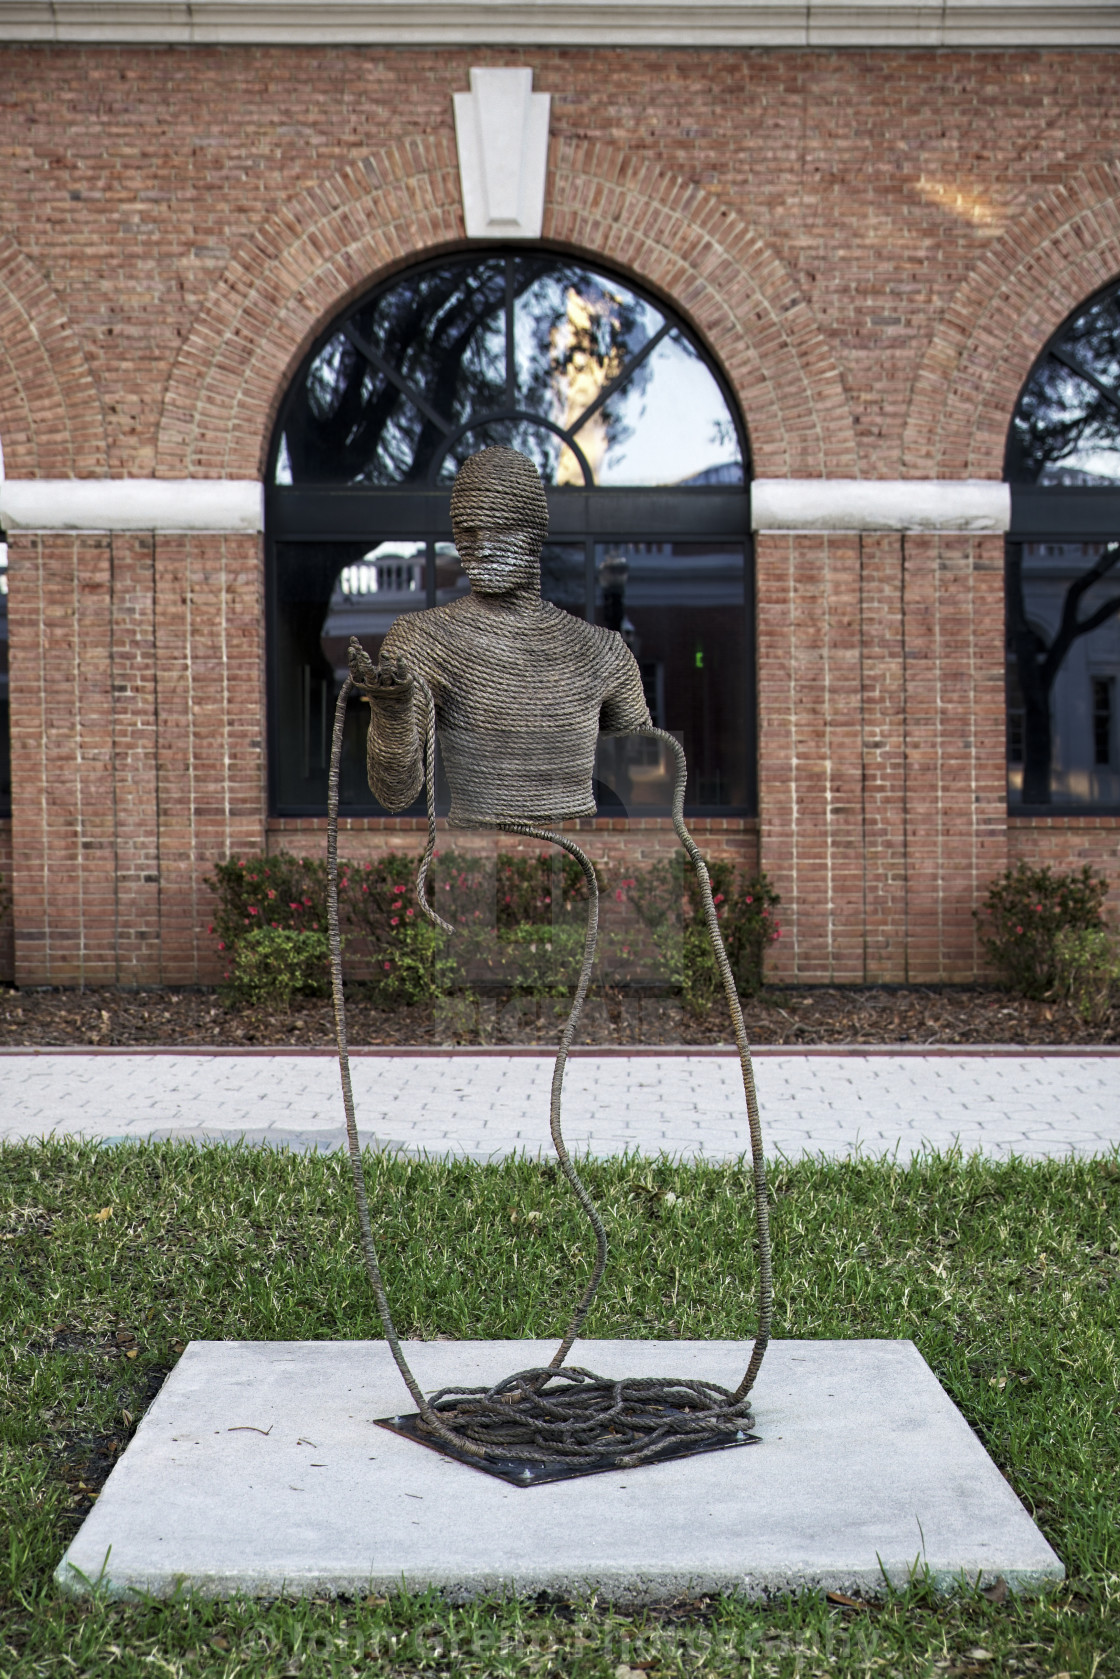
(667, 899)
(1087, 972)
(275, 964)
(519, 923)
(277, 892)
(413, 965)
(1026, 921)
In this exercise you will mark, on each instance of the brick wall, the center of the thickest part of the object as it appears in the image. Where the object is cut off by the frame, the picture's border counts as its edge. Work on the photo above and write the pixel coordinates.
(611, 841)
(7, 943)
(874, 246)
(881, 747)
(137, 725)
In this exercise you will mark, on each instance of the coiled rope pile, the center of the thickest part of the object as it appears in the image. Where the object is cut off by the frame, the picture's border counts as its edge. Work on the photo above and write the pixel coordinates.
(560, 1415)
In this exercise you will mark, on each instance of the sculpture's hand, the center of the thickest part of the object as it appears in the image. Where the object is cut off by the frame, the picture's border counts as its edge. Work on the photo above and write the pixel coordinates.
(387, 684)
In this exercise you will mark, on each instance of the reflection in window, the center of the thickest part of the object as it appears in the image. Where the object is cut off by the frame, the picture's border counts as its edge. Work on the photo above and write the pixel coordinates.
(603, 389)
(1066, 428)
(1104, 687)
(595, 383)
(679, 607)
(1063, 599)
(1063, 604)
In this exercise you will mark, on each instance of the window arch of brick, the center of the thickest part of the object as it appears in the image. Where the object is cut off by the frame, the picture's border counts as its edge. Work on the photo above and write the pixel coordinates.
(327, 247)
(1057, 251)
(50, 416)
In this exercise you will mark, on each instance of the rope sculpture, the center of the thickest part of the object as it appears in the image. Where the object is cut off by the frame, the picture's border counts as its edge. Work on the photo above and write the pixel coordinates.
(519, 691)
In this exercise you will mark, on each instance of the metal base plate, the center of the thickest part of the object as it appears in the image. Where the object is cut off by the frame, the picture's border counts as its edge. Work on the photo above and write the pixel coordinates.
(524, 1472)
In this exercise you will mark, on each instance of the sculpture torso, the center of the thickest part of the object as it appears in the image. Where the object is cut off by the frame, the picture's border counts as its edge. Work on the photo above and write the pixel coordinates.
(521, 690)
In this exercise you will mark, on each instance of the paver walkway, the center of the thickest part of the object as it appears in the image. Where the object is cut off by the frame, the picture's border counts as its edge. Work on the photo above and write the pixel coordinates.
(485, 1106)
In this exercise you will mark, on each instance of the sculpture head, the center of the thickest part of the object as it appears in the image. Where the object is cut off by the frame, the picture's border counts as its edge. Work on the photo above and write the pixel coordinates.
(499, 519)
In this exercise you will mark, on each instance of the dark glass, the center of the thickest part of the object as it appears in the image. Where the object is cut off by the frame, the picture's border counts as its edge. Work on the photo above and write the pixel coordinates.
(681, 608)
(5, 704)
(1063, 661)
(1063, 598)
(1104, 688)
(322, 594)
(598, 385)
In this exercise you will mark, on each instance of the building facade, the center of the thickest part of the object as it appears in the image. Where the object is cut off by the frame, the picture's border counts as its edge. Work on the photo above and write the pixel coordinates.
(809, 319)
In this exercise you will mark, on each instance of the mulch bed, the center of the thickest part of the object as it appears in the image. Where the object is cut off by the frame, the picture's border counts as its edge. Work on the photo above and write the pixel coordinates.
(107, 1017)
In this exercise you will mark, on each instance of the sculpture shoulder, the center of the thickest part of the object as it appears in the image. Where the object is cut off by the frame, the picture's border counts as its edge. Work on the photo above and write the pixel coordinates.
(608, 644)
(413, 632)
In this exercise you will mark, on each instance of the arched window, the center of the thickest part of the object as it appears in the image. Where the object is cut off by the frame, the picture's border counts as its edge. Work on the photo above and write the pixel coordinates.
(645, 466)
(1063, 569)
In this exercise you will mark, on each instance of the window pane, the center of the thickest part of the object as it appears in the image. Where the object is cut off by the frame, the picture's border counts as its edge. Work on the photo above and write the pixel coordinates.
(574, 331)
(1061, 682)
(1066, 428)
(489, 340)
(668, 424)
(323, 594)
(564, 576)
(543, 447)
(681, 608)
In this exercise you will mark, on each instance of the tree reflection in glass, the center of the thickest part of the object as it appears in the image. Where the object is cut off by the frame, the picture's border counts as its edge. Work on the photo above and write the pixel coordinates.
(1063, 599)
(593, 382)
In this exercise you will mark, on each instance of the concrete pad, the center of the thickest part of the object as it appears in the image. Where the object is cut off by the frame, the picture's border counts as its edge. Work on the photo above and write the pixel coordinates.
(258, 1471)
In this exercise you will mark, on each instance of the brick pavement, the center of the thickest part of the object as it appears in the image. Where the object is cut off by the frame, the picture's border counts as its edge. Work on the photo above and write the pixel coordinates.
(486, 1106)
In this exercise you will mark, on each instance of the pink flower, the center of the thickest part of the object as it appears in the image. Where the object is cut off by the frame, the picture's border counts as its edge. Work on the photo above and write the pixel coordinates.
(253, 911)
(409, 913)
(365, 889)
(295, 906)
(387, 966)
(718, 899)
(394, 920)
(271, 892)
(210, 929)
(398, 888)
(307, 903)
(221, 943)
(617, 897)
(1018, 929)
(750, 900)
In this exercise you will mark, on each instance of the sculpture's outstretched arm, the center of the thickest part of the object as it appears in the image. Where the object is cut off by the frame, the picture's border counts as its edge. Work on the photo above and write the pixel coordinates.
(394, 743)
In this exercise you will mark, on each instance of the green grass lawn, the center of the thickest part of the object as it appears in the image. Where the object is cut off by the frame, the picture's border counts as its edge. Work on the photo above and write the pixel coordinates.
(1006, 1276)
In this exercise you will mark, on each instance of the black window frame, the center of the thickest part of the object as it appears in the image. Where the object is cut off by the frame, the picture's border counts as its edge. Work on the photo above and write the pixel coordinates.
(348, 513)
(1057, 513)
